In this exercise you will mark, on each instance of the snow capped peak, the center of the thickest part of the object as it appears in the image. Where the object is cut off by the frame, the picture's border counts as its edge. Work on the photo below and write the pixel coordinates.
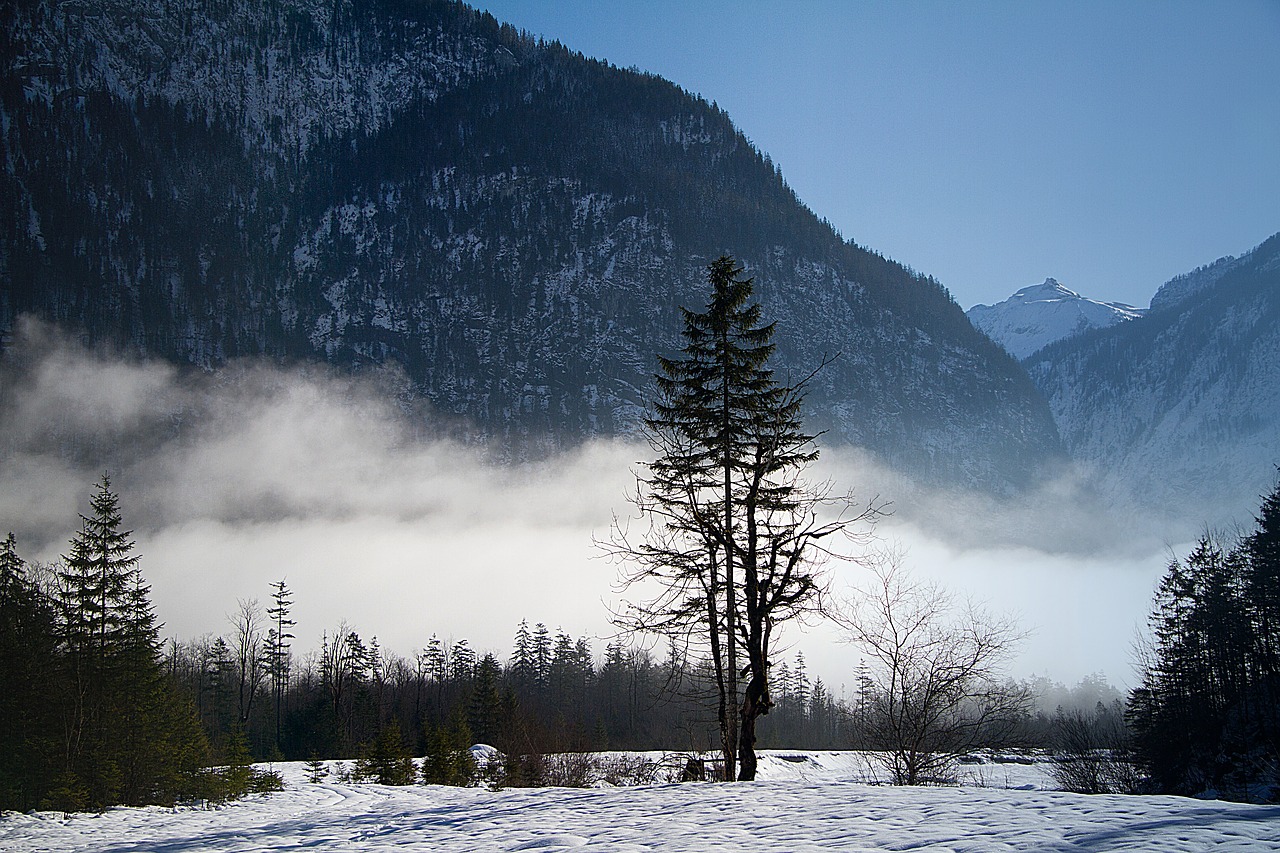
(1048, 290)
(1039, 314)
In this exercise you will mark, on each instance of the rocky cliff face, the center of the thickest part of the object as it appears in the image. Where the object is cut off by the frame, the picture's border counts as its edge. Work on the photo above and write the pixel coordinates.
(1180, 407)
(415, 184)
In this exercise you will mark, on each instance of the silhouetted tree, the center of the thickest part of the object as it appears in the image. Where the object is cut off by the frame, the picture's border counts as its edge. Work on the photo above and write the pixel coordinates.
(277, 649)
(733, 535)
(936, 686)
(28, 661)
(129, 738)
(1205, 716)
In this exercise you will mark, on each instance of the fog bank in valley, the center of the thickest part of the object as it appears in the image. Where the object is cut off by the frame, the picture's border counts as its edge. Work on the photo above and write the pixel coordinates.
(233, 479)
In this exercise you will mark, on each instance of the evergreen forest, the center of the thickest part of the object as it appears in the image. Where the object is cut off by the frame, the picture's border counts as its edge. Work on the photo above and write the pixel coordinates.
(97, 710)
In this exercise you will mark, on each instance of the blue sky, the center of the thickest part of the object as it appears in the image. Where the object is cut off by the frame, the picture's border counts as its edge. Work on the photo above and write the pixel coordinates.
(991, 145)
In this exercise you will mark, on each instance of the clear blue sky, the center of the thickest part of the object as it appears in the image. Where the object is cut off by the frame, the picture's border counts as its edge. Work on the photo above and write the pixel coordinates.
(1111, 145)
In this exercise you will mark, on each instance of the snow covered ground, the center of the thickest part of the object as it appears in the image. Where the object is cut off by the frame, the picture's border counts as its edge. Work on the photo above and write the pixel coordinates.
(804, 802)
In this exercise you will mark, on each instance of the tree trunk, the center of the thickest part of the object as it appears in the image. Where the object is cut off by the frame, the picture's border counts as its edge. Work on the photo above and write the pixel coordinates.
(752, 708)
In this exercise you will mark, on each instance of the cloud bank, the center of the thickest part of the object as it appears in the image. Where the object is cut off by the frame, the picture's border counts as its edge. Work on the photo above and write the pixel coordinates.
(237, 478)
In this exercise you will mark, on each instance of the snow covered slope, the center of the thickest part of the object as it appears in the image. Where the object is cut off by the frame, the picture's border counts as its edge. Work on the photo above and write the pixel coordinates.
(1180, 408)
(1041, 314)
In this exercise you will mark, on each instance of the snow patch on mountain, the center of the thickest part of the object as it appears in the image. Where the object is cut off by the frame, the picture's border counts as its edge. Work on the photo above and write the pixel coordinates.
(1041, 314)
(1179, 409)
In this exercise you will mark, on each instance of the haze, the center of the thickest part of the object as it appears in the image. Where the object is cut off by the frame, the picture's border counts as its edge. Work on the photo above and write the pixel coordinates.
(234, 479)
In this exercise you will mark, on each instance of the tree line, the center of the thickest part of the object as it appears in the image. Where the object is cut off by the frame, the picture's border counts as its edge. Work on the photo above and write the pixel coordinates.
(89, 716)
(1206, 716)
(97, 710)
(552, 694)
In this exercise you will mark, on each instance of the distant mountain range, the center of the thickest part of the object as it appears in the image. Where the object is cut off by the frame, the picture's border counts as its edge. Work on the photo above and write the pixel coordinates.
(1179, 407)
(416, 184)
(1041, 314)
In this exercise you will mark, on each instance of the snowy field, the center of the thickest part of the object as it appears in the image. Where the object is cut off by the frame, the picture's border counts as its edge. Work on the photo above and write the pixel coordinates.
(803, 802)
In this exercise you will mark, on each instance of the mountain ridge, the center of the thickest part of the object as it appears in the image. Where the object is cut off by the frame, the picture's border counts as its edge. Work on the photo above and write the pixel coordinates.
(512, 223)
(1179, 407)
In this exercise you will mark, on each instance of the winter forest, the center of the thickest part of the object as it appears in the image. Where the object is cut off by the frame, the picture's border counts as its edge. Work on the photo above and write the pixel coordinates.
(102, 710)
(418, 432)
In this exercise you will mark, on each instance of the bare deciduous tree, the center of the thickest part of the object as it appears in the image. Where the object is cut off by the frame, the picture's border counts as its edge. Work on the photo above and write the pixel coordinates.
(251, 668)
(936, 686)
(1091, 751)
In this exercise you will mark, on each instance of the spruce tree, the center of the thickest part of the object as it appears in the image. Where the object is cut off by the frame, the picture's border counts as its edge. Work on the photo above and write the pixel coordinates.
(277, 648)
(130, 738)
(448, 758)
(708, 399)
(521, 665)
(485, 713)
(734, 532)
(435, 660)
(540, 656)
(1205, 715)
(316, 769)
(387, 761)
(1262, 592)
(28, 725)
(462, 661)
(1262, 582)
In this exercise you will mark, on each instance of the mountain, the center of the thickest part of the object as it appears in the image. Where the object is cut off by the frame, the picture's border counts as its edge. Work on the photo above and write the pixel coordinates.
(1181, 288)
(1181, 406)
(1040, 314)
(414, 184)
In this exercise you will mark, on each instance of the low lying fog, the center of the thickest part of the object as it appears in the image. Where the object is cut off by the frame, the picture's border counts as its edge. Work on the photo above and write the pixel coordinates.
(235, 479)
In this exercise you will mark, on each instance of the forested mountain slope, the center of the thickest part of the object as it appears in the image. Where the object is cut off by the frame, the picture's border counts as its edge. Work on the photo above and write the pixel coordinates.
(1181, 406)
(412, 183)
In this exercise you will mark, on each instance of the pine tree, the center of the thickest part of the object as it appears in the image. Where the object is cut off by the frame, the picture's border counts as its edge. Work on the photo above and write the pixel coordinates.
(734, 533)
(27, 701)
(129, 737)
(566, 681)
(448, 758)
(220, 677)
(387, 761)
(541, 656)
(1262, 593)
(800, 677)
(435, 660)
(316, 769)
(462, 661)
(707, 401)
(277, 650)
(486, 701)
(1206, 713)
(521, 664)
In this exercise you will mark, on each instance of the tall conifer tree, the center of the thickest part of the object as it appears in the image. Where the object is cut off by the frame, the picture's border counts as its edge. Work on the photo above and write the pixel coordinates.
(129, 738)
(277, 650)
(732, 528)
(27, 662)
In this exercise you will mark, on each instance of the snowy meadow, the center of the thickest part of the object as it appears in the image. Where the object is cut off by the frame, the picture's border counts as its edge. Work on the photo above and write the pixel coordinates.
(803, 801)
